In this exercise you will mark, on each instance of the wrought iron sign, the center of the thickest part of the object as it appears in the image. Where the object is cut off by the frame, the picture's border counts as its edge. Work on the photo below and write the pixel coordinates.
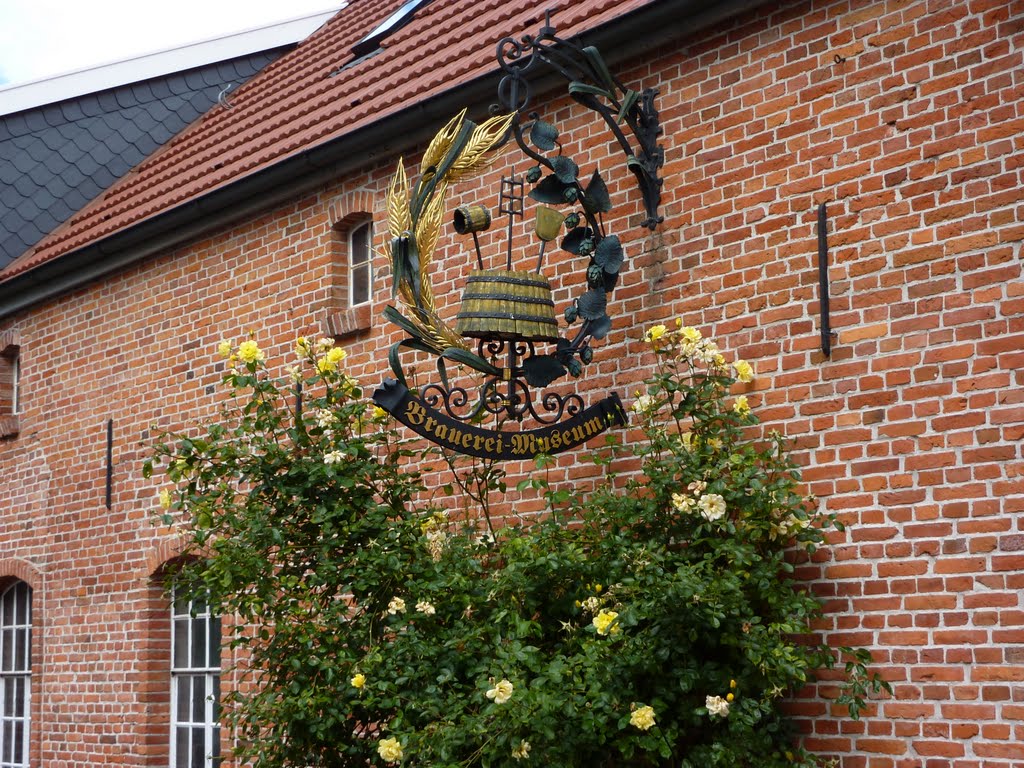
(507, 313)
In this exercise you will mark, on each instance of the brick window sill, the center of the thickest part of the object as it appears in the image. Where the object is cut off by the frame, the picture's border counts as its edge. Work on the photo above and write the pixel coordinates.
(9, 426)
(343, 323)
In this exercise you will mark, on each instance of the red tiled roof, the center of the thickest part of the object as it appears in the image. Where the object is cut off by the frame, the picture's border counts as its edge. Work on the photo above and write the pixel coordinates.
(306, 99)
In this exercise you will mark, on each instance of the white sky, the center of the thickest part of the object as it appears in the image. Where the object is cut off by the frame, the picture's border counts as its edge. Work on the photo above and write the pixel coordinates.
(42, 38)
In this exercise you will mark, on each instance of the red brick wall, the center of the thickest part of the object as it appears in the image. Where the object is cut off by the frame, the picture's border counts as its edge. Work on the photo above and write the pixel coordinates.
(907, 118)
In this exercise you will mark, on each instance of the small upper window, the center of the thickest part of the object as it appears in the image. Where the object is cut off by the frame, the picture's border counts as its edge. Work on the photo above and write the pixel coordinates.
(10, 385)
(360, 264)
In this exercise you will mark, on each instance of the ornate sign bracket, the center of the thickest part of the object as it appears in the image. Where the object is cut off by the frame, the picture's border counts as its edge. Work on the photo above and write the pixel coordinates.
(508, 312)
(592, 85)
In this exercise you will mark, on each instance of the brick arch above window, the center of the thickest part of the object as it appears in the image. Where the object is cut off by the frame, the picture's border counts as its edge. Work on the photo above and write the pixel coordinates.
(162, 554)
(350, 206)
(12, 568)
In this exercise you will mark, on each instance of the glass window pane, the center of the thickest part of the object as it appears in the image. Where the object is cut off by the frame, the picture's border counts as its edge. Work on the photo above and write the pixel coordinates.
(20, 689)
(198, 644)
(19, 741)
(360, 244)
(360, 284)
(183, 684)
(181, 748)
(8, 607)
(180, 643)
(7, 657)
(21, 604)
(199, 750)
(198, 700)
(7, 694)
(216, 698)
(213, 658)
(20, 651)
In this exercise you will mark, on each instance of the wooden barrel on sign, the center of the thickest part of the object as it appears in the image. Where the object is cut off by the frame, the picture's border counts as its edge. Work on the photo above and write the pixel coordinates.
(507, 304)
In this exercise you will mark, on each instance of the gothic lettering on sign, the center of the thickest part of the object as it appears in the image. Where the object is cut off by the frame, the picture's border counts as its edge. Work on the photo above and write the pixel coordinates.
(472, 440)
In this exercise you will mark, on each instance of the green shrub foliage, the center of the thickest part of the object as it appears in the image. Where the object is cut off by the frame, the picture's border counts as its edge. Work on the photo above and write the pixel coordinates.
(652, 621)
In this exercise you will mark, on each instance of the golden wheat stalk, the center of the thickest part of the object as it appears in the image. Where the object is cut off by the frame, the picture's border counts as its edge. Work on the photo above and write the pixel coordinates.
(397, 201)
(482, 141)
(428, 229)
(442, 142)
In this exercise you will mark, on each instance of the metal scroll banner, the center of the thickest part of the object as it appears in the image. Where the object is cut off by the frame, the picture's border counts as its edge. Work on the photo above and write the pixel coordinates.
(471, 440)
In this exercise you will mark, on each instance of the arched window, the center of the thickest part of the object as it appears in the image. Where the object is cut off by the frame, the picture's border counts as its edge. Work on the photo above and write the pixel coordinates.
(10, 383)
(360, 263)
(195, 684)
(15, 674)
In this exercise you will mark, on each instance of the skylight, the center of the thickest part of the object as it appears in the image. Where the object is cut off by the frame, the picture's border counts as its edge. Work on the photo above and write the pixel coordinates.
(393, 23)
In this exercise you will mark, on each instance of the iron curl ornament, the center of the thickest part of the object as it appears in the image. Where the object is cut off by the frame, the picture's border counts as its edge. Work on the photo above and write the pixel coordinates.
(508, 312)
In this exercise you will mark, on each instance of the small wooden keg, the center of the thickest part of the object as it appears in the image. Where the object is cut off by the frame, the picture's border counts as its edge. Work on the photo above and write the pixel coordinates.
(507, 304)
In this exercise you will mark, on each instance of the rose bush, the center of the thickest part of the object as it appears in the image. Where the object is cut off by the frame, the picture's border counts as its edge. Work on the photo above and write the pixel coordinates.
(651, 622)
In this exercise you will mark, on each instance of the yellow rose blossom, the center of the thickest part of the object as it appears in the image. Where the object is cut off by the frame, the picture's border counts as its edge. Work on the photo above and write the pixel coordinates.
(654, 333)
(642, 717)
(522, 751)
(224, 348)
(335, 355)
(379, 414)
(744, 371)
(165, 499)
(741, 406)
(358, 681)
(250, 352)
(716, 706)
(712, 506)
(390, 750)
(682, 503)
(501, 692)
(729, 697)
(606, 623)
(690, 334)
(325, 366)
(302, 346)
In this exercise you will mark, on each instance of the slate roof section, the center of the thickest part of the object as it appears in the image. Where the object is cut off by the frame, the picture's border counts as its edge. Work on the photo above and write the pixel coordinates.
(318, 94)
(56, 158)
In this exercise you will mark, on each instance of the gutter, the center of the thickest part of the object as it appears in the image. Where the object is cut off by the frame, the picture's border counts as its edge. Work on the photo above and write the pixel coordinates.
(623, 38)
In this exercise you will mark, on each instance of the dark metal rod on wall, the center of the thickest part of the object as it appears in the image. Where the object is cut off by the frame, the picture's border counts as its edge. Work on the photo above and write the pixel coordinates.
(826, 330)
(110, 459)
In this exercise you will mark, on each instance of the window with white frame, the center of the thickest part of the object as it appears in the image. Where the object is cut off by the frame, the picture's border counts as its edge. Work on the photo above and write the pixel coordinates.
(195, 684)
(10, 383)
(360, 263)
(15, 674)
